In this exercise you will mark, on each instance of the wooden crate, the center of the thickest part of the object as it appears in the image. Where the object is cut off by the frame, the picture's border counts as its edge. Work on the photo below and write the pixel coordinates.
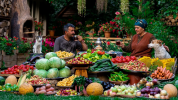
(22, 57)
(9, 60)
(10, 63)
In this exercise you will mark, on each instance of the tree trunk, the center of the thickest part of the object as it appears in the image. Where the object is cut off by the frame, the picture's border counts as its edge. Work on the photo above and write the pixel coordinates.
(21, 19)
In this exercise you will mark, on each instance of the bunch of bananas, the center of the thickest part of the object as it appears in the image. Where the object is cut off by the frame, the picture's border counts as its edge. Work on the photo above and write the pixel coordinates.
(63, 54)
(67, 81)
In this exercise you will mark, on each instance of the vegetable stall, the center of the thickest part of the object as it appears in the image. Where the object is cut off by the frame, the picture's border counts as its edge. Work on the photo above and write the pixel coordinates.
(95, 72)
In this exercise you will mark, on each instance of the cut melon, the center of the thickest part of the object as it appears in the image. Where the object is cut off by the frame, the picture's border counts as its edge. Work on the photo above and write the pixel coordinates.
(11, 79)
(21, 80)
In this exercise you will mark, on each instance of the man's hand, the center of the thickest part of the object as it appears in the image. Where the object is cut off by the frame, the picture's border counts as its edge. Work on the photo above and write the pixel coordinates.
(166, 47)
(80, 38)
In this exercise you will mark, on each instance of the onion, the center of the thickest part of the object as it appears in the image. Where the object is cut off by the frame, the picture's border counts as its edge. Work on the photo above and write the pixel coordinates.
(141, 81)
(155, 81)
(138, 85)
(151, 96)
(138, 93)
(163, 93)
(157, 96)
(162, 97)
(166, 97)
(151, 83)
(148, 84)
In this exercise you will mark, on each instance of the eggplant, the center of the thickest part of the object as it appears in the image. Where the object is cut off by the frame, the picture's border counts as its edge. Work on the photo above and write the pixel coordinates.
(105, 84)
(33, 59)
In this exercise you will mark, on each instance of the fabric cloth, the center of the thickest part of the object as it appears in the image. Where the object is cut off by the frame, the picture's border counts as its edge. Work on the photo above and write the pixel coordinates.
(141, 22)
(69, 46)
(139, 45)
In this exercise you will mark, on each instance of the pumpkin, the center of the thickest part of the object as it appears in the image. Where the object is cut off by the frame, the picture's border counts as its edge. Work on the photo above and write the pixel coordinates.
(94, 89)
(26, 88)
(171, 90)
(11, 79)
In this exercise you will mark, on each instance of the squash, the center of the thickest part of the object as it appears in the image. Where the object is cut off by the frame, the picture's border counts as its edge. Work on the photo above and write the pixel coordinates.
(94, 89)
(26, 88)
(171, 90)
(11, 79)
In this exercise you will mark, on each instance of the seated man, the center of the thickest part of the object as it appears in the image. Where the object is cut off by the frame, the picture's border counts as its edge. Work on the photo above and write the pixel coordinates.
(67, 43)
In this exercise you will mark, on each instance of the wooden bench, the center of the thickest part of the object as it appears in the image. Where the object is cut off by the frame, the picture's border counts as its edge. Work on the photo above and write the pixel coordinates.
(112, 39)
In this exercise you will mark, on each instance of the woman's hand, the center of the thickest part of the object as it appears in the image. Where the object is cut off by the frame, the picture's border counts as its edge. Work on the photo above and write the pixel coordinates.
(166, 47)
(121, 45)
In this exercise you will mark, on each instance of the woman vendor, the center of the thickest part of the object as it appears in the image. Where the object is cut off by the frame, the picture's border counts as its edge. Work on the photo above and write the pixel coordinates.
(139, 43)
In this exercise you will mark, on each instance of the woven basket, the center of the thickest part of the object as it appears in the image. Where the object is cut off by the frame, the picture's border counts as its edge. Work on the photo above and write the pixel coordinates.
(68, 58)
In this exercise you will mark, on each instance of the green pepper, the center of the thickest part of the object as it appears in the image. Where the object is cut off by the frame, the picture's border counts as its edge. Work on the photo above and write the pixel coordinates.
(89, 51)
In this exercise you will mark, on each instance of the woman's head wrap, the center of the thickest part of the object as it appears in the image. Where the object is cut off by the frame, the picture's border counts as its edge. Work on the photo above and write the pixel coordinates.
(141, 22)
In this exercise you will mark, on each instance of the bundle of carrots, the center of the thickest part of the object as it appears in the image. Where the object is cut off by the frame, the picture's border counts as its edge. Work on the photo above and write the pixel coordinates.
(161, 73)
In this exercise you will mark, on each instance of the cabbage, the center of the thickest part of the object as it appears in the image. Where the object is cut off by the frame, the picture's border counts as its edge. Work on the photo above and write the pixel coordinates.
(42, 64)
(63, 63)
(52, 73)
(35, 71)
(64, 72)
(41, 73)
(50, 54)
(55, 62)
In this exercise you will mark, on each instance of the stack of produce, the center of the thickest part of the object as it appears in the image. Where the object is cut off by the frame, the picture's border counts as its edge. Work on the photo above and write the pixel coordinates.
(8, 87)
(165, 63)
(103, 65)
(95, 55)
(67, 92)
(36, 80)
(153, 93)
(51, 67)
(16, 69)
(122, 59)
(118, 76)
(145, 82)
(67, 81)
(79, 60)
(161, 73)
(121, 90)
(135, 66)
(63, 54)
(45, 90)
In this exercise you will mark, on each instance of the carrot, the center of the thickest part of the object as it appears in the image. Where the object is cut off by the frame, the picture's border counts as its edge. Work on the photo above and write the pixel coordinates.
(170, 75)
(158, 68)
(167, 76)
(164, 69)
(155, 72)
(168, 71)
(157, 76)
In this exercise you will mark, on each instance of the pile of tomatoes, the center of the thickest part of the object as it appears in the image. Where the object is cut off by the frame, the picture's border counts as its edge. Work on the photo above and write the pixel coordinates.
(122, 59)
(16, 69)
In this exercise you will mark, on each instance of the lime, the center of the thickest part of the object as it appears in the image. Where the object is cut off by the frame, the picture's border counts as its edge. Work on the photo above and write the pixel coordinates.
(8, 84)
(8, 89)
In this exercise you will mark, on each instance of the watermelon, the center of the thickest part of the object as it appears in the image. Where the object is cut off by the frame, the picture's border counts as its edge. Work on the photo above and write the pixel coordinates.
(2, 80)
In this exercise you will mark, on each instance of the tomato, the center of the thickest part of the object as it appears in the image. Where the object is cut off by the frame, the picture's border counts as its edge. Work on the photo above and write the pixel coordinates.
(10, 72)
(27, 66)
(15, 66)
(133, 57)
(124, 60)
(119, 60)
(9, 69)
(128, 59)
(121, 57)
(6, 70)
(113, 60)
(2, 72)
(31, 67)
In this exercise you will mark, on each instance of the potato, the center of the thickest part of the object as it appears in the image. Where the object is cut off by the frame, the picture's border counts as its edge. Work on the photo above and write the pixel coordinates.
(37, 90)
(43, 88)
(49, 92)
(42, 92)
(50, 89)
(48, 86)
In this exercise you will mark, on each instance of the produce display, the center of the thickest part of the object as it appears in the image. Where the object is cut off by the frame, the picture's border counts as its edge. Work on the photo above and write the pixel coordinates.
(67, 81)
(47, 89)
(16, 69)
(8, 87)
(79, 60)
(161, 73)
(153, 93)
(95, 55)
(36, 80)
(130, 90)
(165, 63)
(135, 66)
(94, 89)
(118, 76)
(63, 54)
(67, 92)
(51, 67)
(122, 59)
(103, 65)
